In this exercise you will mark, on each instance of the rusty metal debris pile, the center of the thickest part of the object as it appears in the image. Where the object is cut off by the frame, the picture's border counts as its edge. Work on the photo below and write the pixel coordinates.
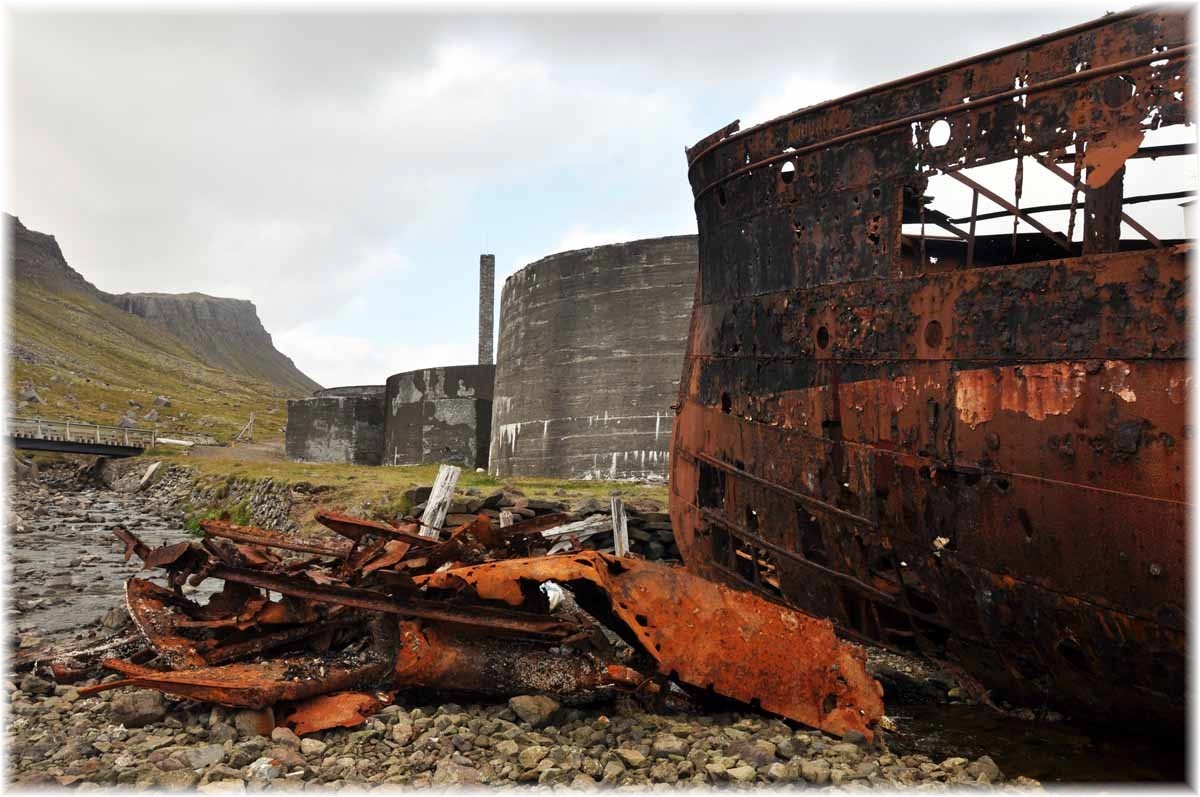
(327, 632)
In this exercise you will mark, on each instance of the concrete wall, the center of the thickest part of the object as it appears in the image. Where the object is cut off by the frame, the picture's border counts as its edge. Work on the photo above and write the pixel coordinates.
(341, 425)
(350, 390)
(590, 354)
(439, 415)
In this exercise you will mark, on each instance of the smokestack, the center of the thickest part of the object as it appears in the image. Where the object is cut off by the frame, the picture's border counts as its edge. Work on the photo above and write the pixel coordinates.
(487, 295)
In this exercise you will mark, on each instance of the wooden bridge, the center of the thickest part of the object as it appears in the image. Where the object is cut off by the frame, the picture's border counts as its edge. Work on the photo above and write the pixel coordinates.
(74, 437)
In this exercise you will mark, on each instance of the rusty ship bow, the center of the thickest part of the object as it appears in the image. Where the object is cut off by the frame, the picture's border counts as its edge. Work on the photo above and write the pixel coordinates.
(955, 441)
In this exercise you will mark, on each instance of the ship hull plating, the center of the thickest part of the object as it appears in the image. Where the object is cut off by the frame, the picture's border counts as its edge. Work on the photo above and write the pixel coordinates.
(967, 446)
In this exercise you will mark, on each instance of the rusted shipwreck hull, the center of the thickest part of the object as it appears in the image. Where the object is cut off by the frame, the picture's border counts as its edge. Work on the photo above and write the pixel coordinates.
(969, 446)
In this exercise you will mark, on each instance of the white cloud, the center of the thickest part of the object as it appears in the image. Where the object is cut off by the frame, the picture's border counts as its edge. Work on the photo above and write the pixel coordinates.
(797, 91)
(335, 360)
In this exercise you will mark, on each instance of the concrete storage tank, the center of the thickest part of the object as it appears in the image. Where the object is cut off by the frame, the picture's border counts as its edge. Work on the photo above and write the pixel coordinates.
(590, 353)
(440, 415)
(338, 424)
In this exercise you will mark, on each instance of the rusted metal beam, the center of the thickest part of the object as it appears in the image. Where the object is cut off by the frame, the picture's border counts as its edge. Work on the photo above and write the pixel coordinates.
(1125, 217)
(1011, 208)
(468, 615)
(270, 539)
(356, 528)
(1129, 200)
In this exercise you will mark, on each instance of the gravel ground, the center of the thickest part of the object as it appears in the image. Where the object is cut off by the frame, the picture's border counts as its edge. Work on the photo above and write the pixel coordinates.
(55, 738)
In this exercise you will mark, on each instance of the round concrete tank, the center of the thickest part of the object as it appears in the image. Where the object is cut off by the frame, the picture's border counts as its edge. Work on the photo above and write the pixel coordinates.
(439, 415)
(590, 355)
(337, 424)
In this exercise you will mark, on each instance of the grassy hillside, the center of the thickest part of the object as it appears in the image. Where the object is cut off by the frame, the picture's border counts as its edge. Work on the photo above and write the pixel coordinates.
(87, 360)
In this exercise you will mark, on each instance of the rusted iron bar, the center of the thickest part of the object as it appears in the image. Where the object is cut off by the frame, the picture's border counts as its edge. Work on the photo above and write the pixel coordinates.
(1037, 88)
(1125, 217)
(270, 539)
(95, 689)
(971, 231)
(355, 528)
(1011, 208)
(469, 615)
(729, 133)
(1129, 200)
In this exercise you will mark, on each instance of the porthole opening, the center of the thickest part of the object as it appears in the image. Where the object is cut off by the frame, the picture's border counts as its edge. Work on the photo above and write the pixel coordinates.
(939, 133)
(787, 172)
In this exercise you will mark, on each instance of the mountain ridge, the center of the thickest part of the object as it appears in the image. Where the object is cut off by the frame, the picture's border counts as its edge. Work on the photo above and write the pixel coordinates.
(223, 332)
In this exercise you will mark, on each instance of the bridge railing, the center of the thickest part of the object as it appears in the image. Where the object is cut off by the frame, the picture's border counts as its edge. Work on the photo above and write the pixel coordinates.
(78, 432)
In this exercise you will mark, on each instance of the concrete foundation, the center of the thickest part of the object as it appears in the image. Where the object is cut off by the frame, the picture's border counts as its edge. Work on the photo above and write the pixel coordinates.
(439, 415)
(343, 424)
(589, 359)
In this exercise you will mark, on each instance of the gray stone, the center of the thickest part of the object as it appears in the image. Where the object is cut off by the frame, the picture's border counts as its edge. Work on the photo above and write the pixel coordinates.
(531, 756)
(133, 709)
(847, 750)
(780, 773)
(310, 746)
(664, 772)
(755, 752)
(402, 730)
(534, 709)
(176, 779)
(984, 769)
(507, 748)
(449, 773)
(251, 722)
(631, 757)
(33, 685)
(264, 769)
(815, 771)
(666, 744)
(742, 774)
(612, 771)
(286, 737)
(583, 781)
(203, 756)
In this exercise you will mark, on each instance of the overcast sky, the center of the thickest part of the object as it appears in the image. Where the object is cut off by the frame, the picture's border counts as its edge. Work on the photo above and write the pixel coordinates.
(345, 172)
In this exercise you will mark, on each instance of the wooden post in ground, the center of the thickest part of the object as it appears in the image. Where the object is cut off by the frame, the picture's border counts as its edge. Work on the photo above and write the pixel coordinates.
(439, 501)
(620, 527)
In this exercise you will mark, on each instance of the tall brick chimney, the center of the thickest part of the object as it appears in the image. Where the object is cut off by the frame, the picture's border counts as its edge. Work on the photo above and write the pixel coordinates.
(487, 296)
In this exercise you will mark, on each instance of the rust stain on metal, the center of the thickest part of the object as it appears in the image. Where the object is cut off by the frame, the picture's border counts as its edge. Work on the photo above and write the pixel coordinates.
(965, 445)
(708, 635)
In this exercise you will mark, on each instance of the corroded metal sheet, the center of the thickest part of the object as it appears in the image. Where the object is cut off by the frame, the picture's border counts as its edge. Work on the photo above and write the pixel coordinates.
(707, 635)
(972, 447)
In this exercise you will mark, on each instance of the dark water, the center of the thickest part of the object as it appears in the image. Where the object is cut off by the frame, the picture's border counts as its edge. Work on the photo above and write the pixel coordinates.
(1051, 752)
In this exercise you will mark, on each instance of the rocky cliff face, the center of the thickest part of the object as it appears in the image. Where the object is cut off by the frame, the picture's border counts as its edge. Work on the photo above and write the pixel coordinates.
(36, 257)
(226, 333)
(223, 333)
